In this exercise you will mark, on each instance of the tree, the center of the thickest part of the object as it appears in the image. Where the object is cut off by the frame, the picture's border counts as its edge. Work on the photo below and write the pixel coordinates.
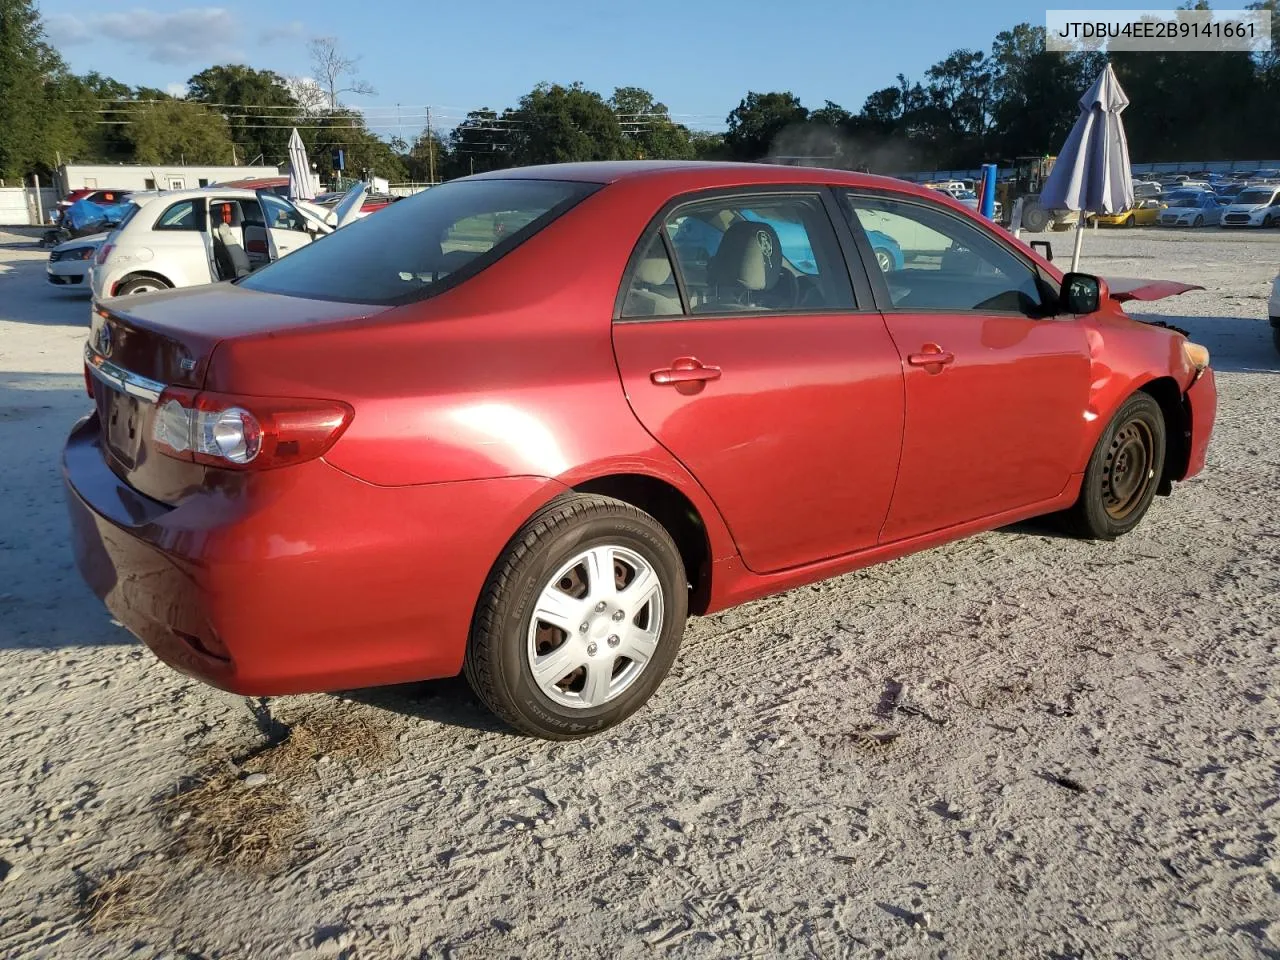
(28, 67)
(362, 149)
(648, 126)
(256, 104)
(178, 131)
(757, 121)
(478, 144)
(558, 124)
(333, 69)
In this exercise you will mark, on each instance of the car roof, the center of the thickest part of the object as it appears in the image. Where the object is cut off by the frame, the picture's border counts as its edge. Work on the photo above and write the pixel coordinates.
(230, 193)
(684, 175)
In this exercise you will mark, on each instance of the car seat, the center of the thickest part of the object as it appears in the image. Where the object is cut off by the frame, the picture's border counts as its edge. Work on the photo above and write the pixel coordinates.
(747, 269)
(653, 289)
(228, 249)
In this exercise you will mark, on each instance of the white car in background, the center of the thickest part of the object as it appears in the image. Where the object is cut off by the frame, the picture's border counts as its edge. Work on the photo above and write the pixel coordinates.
(69, 262)
(1254, 206)
(184, 238)
(1190, 208)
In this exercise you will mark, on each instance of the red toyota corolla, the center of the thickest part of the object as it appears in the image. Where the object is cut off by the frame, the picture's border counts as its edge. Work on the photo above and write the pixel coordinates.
(523, 424)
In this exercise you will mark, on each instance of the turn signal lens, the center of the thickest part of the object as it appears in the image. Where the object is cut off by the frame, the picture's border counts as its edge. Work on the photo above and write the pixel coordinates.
(245, 432)
(1196, 354)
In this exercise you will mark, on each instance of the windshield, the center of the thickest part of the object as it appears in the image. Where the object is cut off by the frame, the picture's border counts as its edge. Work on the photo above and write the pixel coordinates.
(421, 245)
(1255, 196)
(1183, 198)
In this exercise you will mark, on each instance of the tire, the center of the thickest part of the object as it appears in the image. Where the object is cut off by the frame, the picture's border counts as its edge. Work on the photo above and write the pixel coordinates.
(1275, 337)
(884, 260)
(1199, 222)
(1123, 473)
(1267, 222)
(141, 285)
(1131, 221)
(1035, 218)
(547, 568)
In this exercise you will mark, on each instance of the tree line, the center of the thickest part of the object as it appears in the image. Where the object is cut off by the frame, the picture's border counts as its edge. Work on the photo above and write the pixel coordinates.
(971, 107)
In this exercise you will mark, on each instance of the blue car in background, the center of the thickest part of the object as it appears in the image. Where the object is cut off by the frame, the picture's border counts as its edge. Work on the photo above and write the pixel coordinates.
(694, 236)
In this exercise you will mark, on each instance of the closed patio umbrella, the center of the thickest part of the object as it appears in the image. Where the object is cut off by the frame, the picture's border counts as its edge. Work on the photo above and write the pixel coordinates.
(1092, 172)
(302, 185)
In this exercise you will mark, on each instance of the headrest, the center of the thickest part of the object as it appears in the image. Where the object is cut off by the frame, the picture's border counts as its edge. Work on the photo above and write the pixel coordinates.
(655, 271)
(749, 256)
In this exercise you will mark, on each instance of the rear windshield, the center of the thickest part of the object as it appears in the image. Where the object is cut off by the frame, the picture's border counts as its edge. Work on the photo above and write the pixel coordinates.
(421, 245)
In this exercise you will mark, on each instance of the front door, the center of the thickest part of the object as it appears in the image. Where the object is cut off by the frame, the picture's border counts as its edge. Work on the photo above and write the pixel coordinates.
(996, 389)
(754, 367)
(287, 228)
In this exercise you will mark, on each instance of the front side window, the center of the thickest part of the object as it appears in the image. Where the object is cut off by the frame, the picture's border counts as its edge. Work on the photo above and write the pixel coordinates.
(932, 259)
(759, 253)
(184, 215)
(420, 245)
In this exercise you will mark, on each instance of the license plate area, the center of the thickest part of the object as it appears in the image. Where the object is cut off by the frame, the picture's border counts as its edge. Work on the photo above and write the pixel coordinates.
(122, 423)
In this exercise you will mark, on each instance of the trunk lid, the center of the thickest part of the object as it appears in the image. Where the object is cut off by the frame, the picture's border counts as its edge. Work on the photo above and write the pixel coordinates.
(140, 346)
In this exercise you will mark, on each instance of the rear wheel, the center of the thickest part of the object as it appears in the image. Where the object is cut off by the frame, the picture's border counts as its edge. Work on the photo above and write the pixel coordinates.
(1123, 472)
(580, 620)
(140, 285)
(1034, 218)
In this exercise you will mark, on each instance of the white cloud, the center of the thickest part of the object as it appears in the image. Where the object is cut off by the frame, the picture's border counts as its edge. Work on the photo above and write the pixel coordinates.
(195, 35)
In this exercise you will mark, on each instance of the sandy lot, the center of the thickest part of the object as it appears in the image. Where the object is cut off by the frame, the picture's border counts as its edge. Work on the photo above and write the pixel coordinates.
(1015, 746)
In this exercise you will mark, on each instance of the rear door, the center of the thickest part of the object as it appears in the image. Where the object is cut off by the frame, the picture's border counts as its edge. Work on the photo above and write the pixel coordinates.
(997, 390)
(755, 365)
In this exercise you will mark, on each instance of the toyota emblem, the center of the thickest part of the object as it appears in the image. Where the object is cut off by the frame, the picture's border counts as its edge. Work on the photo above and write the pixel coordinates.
(103, 340)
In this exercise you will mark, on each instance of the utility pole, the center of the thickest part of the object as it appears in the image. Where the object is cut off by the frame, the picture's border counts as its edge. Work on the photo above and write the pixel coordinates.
(431, 149)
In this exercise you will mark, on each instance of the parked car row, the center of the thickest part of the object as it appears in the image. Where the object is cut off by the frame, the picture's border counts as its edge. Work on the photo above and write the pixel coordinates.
(1254, 205)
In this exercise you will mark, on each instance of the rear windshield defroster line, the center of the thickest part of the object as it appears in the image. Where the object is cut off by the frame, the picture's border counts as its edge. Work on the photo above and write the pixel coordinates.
(423, 245)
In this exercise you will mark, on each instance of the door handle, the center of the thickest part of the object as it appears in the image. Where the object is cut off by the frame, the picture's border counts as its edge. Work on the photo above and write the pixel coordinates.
(930, 355)
(685, 370)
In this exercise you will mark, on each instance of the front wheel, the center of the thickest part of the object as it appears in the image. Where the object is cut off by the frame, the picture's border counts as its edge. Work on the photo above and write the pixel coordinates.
(1199, 222)
(580, 620)
(1123, 473)
(1131, 221)
(884, 260)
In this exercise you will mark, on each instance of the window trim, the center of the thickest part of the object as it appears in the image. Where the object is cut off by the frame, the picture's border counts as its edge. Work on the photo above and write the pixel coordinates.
(1050, 287)
(861, 292)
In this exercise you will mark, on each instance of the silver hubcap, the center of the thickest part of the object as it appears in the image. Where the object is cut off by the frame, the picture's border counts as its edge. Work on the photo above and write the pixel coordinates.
(595, 627)
(144, 288)
(884, 261)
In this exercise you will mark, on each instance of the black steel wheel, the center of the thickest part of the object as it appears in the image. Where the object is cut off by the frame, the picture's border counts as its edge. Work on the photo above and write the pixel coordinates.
(1123, 473)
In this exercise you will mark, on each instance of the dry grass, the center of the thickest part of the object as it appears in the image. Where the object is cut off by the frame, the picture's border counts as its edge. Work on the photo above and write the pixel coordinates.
(220, 820)
(123, 899)
(330, 733)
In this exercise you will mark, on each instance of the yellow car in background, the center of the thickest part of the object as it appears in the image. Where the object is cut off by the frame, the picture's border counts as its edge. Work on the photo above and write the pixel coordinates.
(1144, 213)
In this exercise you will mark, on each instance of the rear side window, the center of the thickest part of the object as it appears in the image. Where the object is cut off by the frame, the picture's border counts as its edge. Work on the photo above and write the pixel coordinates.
(422, 244)
(184, 215)
(652, 291)
(772, 253)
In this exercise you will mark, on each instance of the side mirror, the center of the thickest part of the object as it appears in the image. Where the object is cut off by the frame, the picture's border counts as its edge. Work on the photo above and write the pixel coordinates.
(1044, 248)
(1081, 293)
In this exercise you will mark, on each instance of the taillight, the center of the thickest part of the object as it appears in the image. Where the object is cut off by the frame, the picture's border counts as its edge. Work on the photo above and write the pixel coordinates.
(104, 251)
(245, 433)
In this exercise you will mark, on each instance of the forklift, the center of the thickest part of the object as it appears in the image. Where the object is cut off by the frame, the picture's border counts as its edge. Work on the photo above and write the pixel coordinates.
(1029, 175)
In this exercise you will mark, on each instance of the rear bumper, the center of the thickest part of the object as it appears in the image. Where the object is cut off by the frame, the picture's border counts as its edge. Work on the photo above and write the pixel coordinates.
(1202, 399)
(313, 581)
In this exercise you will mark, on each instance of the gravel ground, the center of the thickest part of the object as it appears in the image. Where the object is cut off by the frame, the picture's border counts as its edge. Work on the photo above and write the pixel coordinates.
(1014, 746)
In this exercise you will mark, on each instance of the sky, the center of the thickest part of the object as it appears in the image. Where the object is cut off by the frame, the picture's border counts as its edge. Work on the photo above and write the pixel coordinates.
(699, 57)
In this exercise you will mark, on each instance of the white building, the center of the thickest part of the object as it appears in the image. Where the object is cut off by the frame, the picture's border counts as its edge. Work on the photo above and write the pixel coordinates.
(160, 176)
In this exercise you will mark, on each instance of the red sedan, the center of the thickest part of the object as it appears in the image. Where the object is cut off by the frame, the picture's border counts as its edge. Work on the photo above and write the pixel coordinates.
(522, 424)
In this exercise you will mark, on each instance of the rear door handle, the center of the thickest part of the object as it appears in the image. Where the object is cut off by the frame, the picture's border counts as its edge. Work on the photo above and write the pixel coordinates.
(930, 355)
(685, 370)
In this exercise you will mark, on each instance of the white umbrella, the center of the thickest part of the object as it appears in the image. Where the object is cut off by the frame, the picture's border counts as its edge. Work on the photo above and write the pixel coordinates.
(302, 185)
(1092, 172)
